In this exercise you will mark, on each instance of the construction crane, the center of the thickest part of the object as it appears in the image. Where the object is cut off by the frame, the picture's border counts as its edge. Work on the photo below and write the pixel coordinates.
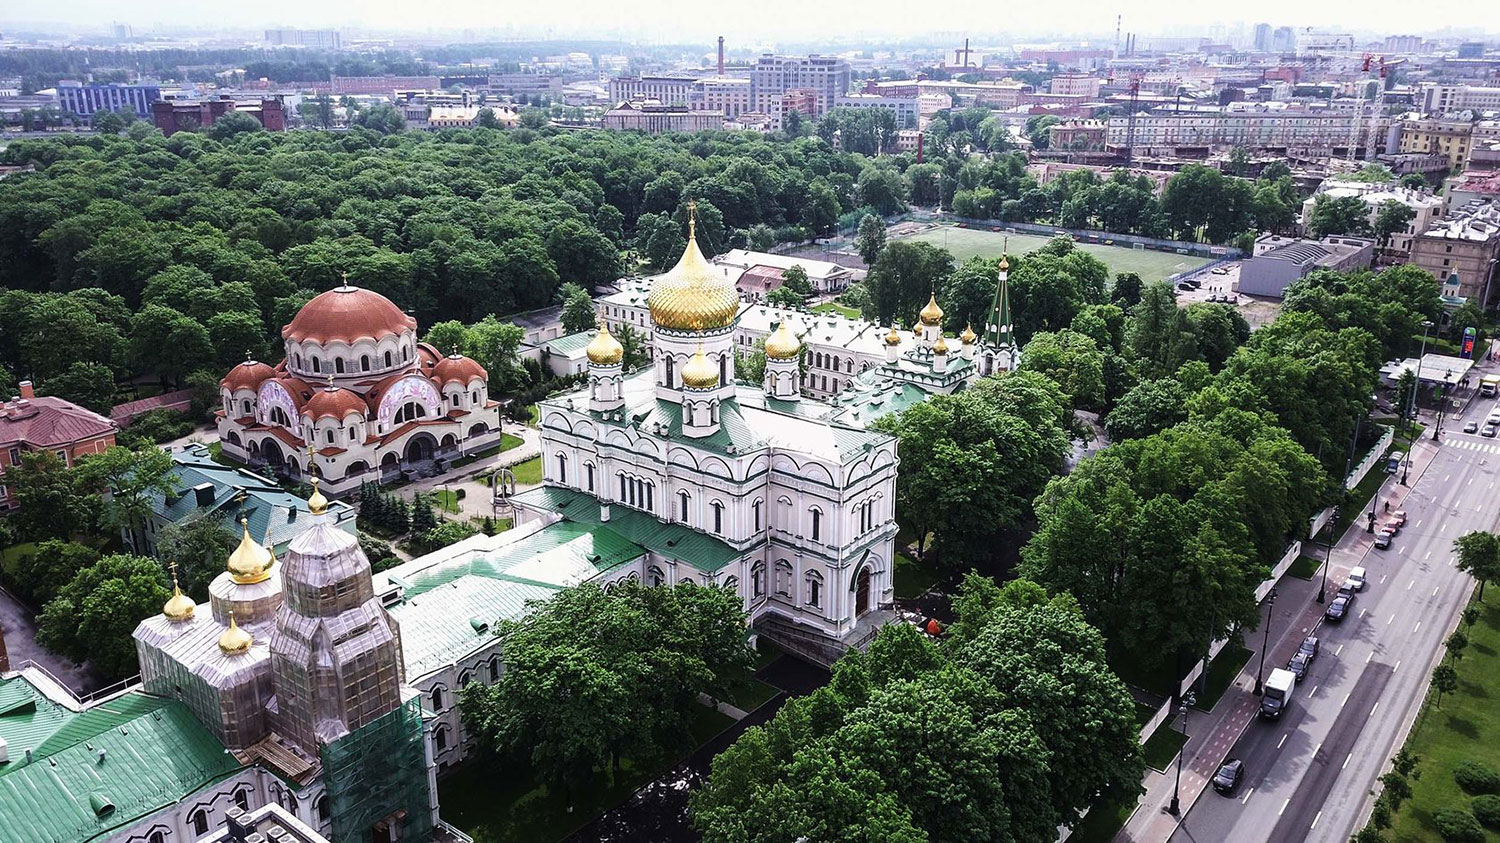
(1135, 100)
(1359, 106)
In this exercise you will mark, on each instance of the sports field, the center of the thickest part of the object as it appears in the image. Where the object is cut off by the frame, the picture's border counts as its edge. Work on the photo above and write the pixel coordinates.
(964, 243)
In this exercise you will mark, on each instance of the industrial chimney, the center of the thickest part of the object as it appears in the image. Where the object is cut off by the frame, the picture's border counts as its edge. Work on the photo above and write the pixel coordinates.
(721, 55)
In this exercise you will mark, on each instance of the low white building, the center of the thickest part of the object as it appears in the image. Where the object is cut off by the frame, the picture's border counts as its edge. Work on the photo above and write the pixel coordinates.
(1425, 206)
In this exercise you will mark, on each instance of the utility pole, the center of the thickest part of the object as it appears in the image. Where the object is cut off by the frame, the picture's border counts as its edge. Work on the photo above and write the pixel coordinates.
(1411, 434)
(1266, 644)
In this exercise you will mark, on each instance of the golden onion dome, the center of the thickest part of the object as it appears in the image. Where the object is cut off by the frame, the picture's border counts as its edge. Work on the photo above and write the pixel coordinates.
(968, 336)
(894, 337)
(179, 606)
(235, 640)
(931, 314)
(251, 563)
(604, 349)
(783, 345)
(941, 346)
(1004, 263)
(699, 373)
(317, 504)
(693, 295)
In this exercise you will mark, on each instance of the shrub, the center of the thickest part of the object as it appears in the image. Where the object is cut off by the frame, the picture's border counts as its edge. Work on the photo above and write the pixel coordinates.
(1487, 810)
(1476, 777)
(1458, 826)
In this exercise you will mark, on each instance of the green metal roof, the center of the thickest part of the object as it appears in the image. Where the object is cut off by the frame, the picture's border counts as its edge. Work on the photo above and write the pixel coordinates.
(443, 600)
(155, 755)
(671, 540)
(569, 344)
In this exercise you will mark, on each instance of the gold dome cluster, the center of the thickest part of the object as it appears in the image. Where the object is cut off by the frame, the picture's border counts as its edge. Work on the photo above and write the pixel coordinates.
(693, 295)
(604, 349)
(932, 314)
(783, 345)
(251, 563)
(234, 640)
(699, 373)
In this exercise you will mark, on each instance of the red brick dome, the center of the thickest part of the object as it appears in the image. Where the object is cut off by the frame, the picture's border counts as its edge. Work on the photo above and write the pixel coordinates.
(247, 375)
(456, 368)
(335, 402)
(347, 314)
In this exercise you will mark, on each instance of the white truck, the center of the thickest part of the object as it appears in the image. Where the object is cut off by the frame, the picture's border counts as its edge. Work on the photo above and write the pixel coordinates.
(1278, 692)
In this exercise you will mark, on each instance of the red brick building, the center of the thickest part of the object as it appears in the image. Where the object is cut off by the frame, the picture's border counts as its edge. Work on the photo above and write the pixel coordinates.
(171, 116)
(29, 423)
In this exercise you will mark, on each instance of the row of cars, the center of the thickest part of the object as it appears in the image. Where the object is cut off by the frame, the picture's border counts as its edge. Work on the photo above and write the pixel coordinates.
(1278, 687)
(1388, 531)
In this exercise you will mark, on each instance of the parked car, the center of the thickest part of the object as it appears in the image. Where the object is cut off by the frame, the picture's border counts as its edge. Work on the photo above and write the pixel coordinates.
(1229, 775)
(1391, 526)
(1340, 607)
(1471, 427)
(1299, 664)
(1382, 540)
(1393, 462)
(1399, 516)
(1488, 431)
(1310, 647)
(1356, 578)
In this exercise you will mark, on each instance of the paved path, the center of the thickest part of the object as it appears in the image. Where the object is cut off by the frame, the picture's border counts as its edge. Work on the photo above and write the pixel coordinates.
(476, 499)
(18, 626)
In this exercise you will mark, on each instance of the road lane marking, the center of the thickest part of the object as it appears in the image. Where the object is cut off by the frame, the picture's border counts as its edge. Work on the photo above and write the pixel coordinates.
(1246, 797)
(1410, 584)
(1419, 627)
(1313, 691)
(1397, 667)
(1315, 821)
(1446, 479)
(1339, 650)
(1283, 806)
(1434, 591)
(1373, 707)
(1283, 740)
(1362, 613)
(1389, 619)
(1346, 761)
(1419, 522)
(1370, 656)
(1427, 557)
(1382, 579)
(1443, 526)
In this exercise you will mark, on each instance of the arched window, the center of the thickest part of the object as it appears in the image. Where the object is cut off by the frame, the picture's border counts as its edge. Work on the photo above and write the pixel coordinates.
(437, 699)
(758, 579)
(732, 584)
(623, 482)
(686, 581)
(364, 362)
(755, 508)
(156, 837)
(242, 799)
(783, 578)
(328, 434)
(440, 739)
(656, 576)
(562, 468)
(723, 369)
(351, 434)
(817, 523)
(279, 416)
(317, 365)
(388, 359)
(409, 411)
(321, 806)
(669, 372)
(718, 509)
(682, 507)
(338, 365)
(246, 406)
(848, 364)
(588, 473)
(814, 588)
(494, 670)
(199, 819)
(464, 679)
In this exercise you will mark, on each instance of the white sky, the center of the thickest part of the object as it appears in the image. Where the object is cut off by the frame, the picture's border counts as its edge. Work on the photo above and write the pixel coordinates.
(749, 21)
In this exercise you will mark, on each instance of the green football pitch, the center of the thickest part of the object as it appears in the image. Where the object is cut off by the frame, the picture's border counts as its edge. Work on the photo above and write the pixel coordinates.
(965, 243)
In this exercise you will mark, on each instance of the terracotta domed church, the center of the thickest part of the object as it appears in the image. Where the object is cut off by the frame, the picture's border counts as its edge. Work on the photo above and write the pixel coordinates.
(359, 389)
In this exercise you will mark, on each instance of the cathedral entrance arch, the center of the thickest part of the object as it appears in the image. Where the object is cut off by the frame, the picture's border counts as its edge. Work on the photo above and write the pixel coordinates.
(271, 452)
(421, 448)
(862, 591)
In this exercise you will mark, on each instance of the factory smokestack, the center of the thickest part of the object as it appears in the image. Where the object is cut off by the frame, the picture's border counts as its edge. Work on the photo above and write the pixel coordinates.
(721, 55)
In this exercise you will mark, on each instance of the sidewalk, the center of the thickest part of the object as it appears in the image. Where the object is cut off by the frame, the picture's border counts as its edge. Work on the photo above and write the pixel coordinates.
(1295, 615)
(476, 499)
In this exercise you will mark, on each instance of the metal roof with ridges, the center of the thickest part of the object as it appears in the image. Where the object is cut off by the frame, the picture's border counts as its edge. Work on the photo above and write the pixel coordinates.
(670, 540)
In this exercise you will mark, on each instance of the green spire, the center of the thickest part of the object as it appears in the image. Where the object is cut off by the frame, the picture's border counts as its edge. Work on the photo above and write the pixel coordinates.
(998, 331)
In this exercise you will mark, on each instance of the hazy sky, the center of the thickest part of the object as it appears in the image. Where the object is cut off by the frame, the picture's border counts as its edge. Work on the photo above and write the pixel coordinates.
(746, 20)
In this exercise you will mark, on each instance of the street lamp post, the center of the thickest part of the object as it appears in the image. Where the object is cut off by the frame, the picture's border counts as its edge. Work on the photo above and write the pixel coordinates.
(1411, 434)
(1437, 429)
(1333, 531)
(1187, 702)
(1266, 644)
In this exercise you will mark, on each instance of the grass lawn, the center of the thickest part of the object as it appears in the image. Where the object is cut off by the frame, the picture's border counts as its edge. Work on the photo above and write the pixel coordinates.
(506, 443)
(1221, 672)
(11, 555)
(444, 499)
(1104, 821)
(964, 243)
(1163, 747)
(1467, 727)
(751, 694)
(536, 415)
(1143, 714)
(912, 577)
(1304, 568)
(496, 803)
(834, 307)
(528, 472)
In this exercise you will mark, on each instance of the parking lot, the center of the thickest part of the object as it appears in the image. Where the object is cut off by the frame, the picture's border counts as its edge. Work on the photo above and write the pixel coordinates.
(1223, 286)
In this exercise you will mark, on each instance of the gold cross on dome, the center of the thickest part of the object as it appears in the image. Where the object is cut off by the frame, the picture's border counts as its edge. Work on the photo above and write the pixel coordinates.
(692, 209)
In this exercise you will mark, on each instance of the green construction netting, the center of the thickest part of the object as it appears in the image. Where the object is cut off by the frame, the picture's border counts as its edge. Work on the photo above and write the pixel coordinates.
(378, 775)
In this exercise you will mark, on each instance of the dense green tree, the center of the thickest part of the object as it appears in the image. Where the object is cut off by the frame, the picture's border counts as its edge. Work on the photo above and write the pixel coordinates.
(51, 501)
(1479, 556)
(93, 616)
(785, 297)
(583, 255)
(794, 278)
(1391, 217)
(1216, 331)
(1072, 360)
(578, 309)
(1338, 215)
(968, 294)
(1150, 407)
(1159, 337)
(171, 343)
(1127, 289)
(198, 546)
(234, 336)
(233, 123)
(42, 572)
(904, 277)
(90, 385)
(870, 239)
(132, 478)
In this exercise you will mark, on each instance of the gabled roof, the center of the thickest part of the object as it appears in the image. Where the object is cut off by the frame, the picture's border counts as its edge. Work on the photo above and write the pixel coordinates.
(137, 753)
(48, 422)
(670, 540)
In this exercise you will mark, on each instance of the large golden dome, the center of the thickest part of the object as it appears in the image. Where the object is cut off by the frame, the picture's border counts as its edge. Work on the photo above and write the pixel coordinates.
(693, 295)
(783, 345)
(699, 373)
(604, 349)
(250, 563)
(932, 314)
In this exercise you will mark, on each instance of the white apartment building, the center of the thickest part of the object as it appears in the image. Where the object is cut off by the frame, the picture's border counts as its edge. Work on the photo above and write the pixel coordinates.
(1441, 99)
(666, 89)
(1289, 130)
(1427, 206)
(1076, 84)
(772, 76)
(721, 93)
(906, 110)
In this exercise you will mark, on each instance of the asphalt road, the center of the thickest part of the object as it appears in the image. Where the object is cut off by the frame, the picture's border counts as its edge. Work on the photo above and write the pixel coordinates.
(1308, 775)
